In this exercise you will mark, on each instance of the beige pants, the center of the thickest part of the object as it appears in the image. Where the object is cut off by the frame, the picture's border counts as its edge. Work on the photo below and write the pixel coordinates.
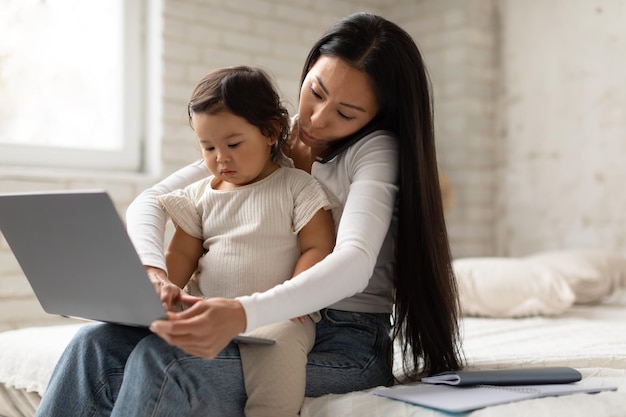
(275, 375)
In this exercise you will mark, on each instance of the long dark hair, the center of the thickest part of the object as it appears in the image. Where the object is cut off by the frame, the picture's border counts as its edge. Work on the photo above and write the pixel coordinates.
(246, 92)
(426, 302)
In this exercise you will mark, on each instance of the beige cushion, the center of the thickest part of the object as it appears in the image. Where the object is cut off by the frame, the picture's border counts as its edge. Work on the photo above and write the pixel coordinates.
(510, 287)
(592, 274)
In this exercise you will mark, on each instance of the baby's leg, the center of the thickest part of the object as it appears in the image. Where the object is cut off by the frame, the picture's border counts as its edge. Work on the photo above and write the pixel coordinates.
(275, 375)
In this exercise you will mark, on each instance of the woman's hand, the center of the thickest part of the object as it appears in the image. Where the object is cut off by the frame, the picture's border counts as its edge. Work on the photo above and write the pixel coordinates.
(205, 328)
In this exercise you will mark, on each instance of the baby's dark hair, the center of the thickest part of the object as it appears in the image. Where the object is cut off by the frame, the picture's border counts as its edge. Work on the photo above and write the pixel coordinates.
(245, 92)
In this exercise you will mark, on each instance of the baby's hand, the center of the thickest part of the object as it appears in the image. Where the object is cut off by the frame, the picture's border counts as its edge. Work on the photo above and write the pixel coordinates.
(301, 319)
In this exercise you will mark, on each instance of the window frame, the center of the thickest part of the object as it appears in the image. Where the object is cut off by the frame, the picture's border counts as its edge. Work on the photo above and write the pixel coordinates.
(129, 157)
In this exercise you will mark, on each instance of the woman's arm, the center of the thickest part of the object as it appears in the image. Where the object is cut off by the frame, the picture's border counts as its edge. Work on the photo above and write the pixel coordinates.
(208, 325)
(146, 219)
(370, 168)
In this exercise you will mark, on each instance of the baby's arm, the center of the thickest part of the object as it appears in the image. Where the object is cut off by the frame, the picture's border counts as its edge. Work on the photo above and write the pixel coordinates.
(317, 240)
(182, 257)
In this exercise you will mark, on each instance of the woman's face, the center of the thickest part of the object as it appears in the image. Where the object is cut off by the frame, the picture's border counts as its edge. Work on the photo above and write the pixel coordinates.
(336, 100)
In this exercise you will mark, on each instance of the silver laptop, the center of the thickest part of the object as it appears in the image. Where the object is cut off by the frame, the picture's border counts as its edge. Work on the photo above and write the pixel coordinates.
(78, 258)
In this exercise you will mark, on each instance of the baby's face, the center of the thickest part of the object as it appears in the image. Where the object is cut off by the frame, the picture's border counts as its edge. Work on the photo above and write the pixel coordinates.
(235, 151)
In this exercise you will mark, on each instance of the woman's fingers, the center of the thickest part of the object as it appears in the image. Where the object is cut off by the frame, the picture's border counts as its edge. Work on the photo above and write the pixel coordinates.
(205, 328)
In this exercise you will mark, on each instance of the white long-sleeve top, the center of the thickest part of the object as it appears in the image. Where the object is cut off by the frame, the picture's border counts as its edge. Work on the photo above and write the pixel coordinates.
(356, 276)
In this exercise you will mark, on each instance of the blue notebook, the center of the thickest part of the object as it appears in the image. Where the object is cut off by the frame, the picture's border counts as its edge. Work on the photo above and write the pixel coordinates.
(461, 399)
(514, 376)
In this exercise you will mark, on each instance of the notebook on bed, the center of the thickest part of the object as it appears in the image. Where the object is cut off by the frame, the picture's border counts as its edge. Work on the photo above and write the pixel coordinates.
(512, 376)
(463, 399)
(78, 258)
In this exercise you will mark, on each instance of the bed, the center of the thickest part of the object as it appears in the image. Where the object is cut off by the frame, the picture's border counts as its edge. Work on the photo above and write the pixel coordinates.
(565, 308)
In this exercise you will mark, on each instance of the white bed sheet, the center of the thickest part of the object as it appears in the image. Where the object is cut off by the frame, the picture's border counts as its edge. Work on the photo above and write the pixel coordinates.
(589, 338)
(605, 404)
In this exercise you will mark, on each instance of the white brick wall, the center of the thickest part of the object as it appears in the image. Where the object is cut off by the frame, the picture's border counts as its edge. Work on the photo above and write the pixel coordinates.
(460, 50)
(200, 36)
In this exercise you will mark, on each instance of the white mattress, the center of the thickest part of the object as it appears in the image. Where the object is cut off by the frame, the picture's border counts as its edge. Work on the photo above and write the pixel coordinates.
(589, 338)
(582, 337)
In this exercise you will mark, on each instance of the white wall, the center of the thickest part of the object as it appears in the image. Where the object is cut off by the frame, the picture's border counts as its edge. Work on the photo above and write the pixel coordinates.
(563, 105)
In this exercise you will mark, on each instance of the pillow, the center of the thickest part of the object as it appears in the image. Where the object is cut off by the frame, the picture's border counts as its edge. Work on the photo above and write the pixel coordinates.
(592, 274)
(510, 287)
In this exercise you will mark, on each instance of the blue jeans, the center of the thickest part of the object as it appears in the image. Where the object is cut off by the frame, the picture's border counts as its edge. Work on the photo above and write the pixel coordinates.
(119, 371)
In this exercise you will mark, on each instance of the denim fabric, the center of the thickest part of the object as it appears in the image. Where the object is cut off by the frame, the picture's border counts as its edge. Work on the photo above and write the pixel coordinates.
(110, 370)
(352, 352)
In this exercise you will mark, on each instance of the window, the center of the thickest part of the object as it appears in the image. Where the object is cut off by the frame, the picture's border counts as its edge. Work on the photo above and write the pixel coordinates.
(69, 83)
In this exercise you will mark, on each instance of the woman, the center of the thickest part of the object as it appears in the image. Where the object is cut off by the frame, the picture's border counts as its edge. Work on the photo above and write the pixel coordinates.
(364, 129)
